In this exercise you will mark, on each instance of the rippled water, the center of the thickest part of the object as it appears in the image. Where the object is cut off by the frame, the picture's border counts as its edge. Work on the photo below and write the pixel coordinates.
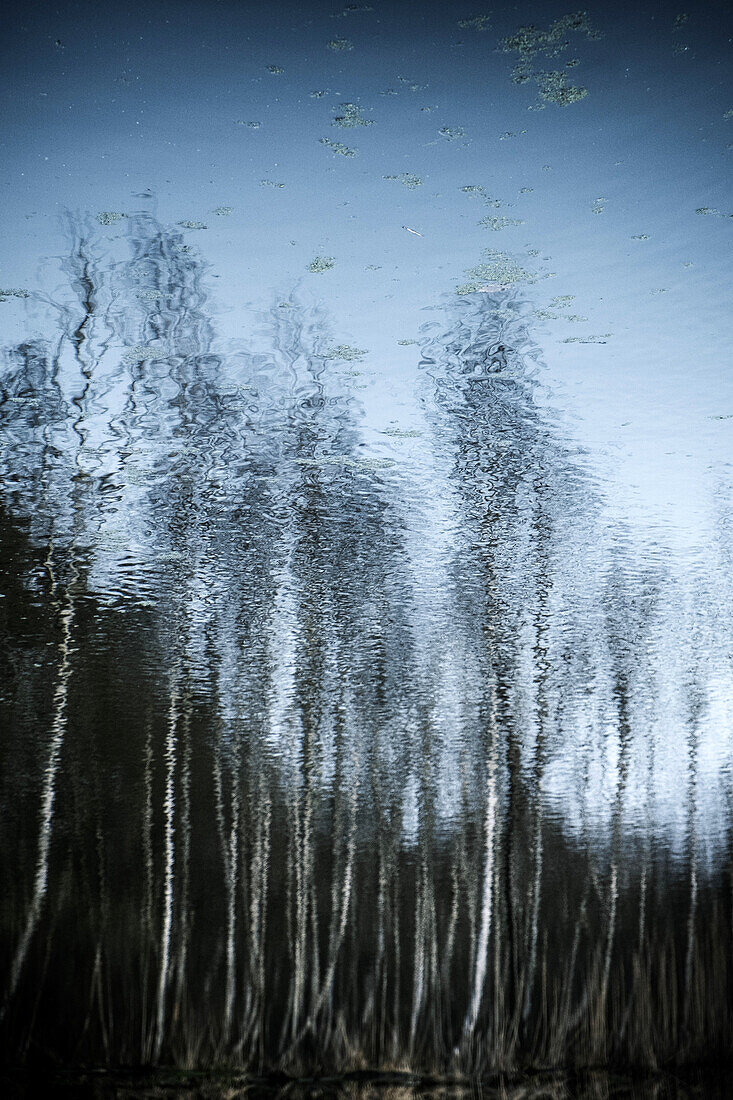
(365, 539)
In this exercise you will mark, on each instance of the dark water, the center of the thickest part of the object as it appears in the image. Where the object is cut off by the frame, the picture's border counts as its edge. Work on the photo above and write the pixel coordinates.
(366, 645)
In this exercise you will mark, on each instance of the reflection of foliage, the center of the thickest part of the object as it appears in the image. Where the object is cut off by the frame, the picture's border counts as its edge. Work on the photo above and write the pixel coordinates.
(306, 806)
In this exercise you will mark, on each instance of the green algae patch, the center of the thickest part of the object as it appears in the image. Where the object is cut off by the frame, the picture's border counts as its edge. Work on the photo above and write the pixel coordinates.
(604, 336)
(109, 217)
(554, 87)
(348, 462)
(321, 263)
(339, 44)
(138, 353)
(338, 147)
(350, 116)
(496, 224)
(345, 353)
(475, 23)
(406, 179)
(532, 43)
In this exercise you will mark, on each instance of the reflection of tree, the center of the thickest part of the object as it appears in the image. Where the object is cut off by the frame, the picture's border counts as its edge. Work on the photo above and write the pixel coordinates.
(303, 817)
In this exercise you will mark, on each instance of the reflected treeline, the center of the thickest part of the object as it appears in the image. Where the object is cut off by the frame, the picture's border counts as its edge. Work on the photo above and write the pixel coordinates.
(263, 803)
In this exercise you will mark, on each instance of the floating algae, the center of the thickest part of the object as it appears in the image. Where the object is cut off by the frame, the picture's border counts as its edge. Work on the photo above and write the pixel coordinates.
(452, 133)
(340, 44)
(640, 237)
(554, 87)
(406, 343)
(223, 211)
(499, 223)
(351, 116)
(406, 179)
(249, 125)
(321, 263)
(476, 23)
(587, 339)
(345, 352)
(338, 147)
(530, 43)
(109, 217)
(316, 95)
(498, 272)
(276, 70)
(193, 225)
(271, 183)
(139, 352)
(348, 462)
(352, 9)
(473, 189)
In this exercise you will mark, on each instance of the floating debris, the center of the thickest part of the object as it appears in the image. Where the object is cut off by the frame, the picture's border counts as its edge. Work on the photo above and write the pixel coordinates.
(109, 217)
(344, 351)
(321, 263)
(193, 225)
(473, 189)
(276, 70)
(271, 183)
(598, 206)
(710, 211)
(475, 23)
(249, 125)
(575, 317)
(402, 433)
(349, 462)
(14, 292)
(406, 179)
(351, 116)
(499, 223)
(338, 147)
(640, 237)
(224, 211)
(680, 21)
(728, 113)
(373, 267)
(452, 134)
(413, 231)
(510, 134)
(340, 44)
(316, 95)
(525, 190)
(406, 343)
(562, 300)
